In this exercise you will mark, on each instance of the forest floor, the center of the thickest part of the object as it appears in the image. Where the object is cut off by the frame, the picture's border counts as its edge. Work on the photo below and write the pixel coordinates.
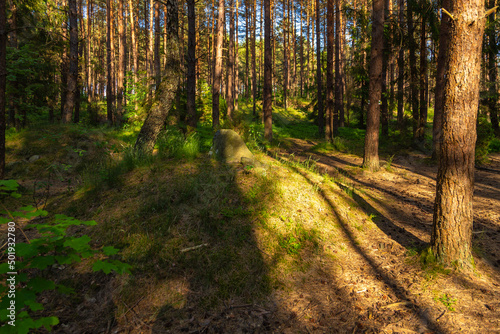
(308, 243)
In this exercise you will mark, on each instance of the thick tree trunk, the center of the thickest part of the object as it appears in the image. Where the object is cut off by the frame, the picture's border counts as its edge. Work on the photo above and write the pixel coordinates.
(191, 68)
(110, 86)
(331, 121)
(268, 72)
(166, 92)
(370, 157)
(3, 82)
(319, 75)
(73, 63)
(218, 67)
(453, 216)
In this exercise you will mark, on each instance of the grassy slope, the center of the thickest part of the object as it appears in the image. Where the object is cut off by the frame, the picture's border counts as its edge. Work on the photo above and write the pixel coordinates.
(263, 233)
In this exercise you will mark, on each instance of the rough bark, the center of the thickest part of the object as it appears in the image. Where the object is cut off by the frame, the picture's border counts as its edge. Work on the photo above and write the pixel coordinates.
(191, 67)
(370, 157)
(73, 63)
(268, 72)
(218, 66)
(166, 92)
(451, 240)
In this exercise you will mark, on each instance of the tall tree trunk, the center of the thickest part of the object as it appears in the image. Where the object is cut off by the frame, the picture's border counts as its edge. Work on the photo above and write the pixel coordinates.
(166, 92)
(3, 82)
(157, 56)
(451, 240)
(370, 157)
(319, 76)
(401, 68)
(422, 117)
(268, 72)
(384, 109)
(133, 48)
(413, 66)
(12, 42)
(64, 61)
(110, 86)
(150, 30)
(120, 79)
(230, 64)
(301, 50)
(236, 60)
(330, 115)
(218, 66)
(247, 50)
(88, 55)
(73, 63)
(285, 55)
(493, 72)
(254, 69)
(339, 104)
(191, 68)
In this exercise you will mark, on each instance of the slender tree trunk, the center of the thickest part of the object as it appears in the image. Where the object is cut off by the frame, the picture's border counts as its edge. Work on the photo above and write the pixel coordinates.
(331, 120)
(285, 55)
(73, 63)
(401, 68)
(64, 62)
(247, 50)
(254, 59)
(133, 46)
(191, 68)
(370, 158)
(319, 75)
(120, 96)
(12, 42)
(110, 87)
(3, 82)
(422, 117)
(339, 105)
(150, 63)
(166, 92)
(236, 60)
(384, 110)
(218, 67)
(451, 240)
(413, 66)
(493, 73)
(157, 56)
(230, 64)
(268, 72)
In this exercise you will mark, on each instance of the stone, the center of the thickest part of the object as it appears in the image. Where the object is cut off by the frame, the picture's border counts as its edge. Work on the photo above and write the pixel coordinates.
(230, 148)
(33, 158)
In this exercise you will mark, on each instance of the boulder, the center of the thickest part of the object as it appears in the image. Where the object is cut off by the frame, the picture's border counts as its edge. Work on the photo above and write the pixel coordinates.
(33, 158)
(230, 148)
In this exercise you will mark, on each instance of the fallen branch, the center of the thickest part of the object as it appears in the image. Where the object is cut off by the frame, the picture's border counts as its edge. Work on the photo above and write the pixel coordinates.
(192, 248)
(393, 305)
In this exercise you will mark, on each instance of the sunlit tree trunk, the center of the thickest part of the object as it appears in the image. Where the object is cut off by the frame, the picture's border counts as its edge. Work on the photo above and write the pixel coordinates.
(254, 58)
(451, 240)
(218, 66)
(230, 63)
(120, 77)
(401, 69)
(236, 60)
(339, 104)
(157, 56)
(370, 157)
(413, 66)
(422, 116)
(166, 92)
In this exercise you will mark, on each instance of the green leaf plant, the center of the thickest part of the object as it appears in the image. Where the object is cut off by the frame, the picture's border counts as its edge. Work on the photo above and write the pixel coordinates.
(53, 247)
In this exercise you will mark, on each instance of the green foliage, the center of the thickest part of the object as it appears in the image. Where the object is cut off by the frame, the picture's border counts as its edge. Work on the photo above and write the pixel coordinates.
(447, 301)
(494, 146)
(172, 144)
(53, 246)
(485, 135)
